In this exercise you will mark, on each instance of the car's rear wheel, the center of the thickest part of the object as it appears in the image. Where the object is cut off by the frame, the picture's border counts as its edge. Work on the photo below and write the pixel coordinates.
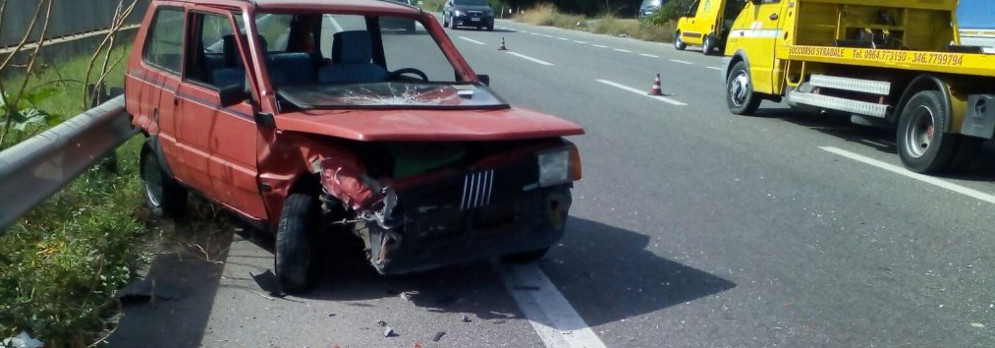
(163, 195)
(922, 144)
(294, 236)
(708, 45)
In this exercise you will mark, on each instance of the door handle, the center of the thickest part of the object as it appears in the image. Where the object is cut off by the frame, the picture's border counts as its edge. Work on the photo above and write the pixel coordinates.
(773, 16)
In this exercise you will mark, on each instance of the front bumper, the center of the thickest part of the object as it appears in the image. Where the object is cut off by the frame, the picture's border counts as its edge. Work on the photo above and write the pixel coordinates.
(429, 234)
(473, 19)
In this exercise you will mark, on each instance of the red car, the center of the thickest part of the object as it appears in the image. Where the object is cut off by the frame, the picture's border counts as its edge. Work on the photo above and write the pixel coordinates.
(309, 117)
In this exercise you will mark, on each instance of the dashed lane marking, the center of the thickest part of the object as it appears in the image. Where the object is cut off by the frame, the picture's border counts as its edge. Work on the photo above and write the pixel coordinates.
(538, 61)
(621, 50)
(581, 42)
(905, 172)
(464, 38)
(648, 55)
(555, 321)
(642, 93)
(599, 46)
(563, 38)
(715, 68)
(681, 62)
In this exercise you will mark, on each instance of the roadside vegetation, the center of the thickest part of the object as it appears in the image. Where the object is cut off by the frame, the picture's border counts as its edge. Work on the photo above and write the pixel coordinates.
(659, 27)
(60, 263)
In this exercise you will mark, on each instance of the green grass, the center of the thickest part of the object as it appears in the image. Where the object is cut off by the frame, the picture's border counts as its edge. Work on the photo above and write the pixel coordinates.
(549, 15)
(60, 263)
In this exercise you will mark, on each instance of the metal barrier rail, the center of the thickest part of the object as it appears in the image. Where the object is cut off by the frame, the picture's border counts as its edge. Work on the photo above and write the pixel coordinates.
(40, 166)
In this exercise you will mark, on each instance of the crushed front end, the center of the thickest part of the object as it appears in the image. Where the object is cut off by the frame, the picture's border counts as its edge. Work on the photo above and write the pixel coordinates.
(456, 203)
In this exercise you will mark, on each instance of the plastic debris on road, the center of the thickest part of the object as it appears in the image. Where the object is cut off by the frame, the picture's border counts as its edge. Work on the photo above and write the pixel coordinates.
(22, 340)
(466, 318)
(388, 332)
(438, 336)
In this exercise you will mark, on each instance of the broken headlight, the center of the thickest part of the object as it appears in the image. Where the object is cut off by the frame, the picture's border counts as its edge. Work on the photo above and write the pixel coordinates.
(558, 166)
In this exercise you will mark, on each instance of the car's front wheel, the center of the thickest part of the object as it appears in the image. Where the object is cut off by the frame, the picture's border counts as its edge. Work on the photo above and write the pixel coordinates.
(739, 91)
(678, 43)
(490, 27)
(445, 21)
(294, 235)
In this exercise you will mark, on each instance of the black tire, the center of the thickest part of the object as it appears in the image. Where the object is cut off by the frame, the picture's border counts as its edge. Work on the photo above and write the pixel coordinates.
(490, 27)
(740, 97)
(445, 21)
(163, 195)
(678, 43)
(294, 236)
(708, 45)
(525, 257)
(922, 144)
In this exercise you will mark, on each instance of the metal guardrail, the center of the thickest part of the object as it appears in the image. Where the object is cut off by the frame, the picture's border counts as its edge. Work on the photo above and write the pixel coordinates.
(40, 166)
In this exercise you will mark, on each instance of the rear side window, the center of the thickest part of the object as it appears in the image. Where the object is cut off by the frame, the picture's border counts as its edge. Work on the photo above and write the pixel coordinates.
(164, 44)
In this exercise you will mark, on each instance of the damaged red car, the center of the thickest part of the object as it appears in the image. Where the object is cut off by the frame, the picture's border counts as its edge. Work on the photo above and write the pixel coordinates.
(311, 117)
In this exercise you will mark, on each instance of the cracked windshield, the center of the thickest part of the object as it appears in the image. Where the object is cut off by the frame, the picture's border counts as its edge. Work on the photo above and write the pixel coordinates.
(358, 66)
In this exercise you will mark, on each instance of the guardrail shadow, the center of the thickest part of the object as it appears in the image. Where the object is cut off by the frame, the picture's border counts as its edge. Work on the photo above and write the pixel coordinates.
(172, 305)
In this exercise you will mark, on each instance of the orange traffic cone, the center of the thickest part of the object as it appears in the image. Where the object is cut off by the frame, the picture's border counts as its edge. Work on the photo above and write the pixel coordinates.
(655, 90)
(503, 47)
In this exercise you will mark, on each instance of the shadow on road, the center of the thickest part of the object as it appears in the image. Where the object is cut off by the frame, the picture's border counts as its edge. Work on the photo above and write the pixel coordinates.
(982, 169)
(606, 273)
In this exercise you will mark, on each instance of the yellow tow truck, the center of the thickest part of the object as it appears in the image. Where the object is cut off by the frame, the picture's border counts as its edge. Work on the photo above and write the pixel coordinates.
(897, 63)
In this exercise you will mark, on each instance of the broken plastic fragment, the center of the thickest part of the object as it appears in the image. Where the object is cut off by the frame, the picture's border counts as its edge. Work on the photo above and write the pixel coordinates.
(22, 340)
(388, 332)
(466, 318)
(438, 336)
(382, 323)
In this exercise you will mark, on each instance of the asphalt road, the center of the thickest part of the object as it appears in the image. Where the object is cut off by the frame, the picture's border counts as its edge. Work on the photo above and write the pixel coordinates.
(692, 227)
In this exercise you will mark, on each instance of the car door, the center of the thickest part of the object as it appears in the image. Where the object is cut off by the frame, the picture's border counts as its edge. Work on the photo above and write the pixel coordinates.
(759, 39)
(160, 78)
(219, 142)
(691, 30)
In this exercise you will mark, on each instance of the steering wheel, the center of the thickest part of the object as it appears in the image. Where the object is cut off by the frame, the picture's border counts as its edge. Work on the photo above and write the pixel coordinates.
(397, 73)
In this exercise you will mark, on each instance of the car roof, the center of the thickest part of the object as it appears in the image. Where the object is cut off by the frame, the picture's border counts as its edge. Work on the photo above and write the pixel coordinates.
(376, 6)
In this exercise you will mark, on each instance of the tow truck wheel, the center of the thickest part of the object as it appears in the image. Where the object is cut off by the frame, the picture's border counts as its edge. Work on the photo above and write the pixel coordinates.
(922, 144)
(294, 252)
(678, 43)
(708, 45)
(163, 195)
(739, 91)
(525, 257)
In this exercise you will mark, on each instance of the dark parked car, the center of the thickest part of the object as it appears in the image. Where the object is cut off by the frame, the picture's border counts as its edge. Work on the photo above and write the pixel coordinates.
(650, 7)
(468, 13)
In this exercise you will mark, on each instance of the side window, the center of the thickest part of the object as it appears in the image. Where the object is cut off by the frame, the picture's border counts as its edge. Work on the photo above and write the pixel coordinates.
(213, 53)
(693, 9)
(274, 30)
(164, 44)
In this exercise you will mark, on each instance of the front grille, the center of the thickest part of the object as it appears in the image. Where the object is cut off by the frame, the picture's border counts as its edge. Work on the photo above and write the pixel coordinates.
(477, 189)
(474, 13)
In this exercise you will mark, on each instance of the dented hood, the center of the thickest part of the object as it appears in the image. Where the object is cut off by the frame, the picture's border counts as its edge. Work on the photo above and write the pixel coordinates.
(428, 125)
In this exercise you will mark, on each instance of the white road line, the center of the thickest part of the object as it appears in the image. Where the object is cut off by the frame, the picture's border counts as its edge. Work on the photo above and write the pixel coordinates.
(563, 38)
(547, 35)
(904, 172)
(581, 42)
(543, 62)
(551, 315)
(873, 143)
(648, 55)
(621, 50)
(681, 62)
(471, 40)
(536, 34)
(599, 46)
(642, 93)
(715, 68)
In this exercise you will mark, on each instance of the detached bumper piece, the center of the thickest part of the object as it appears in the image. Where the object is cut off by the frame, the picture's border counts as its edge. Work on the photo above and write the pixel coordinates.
(479, 216)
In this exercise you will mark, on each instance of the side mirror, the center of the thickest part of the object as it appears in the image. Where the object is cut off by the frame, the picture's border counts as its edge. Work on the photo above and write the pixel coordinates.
(485, 79)
(232, 94)
(264, 120)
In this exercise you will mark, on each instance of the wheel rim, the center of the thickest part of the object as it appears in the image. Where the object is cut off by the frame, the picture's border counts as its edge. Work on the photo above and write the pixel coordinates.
(153, 182)
(677, 40)
(919, 131)
(708, 45)
(739, 89)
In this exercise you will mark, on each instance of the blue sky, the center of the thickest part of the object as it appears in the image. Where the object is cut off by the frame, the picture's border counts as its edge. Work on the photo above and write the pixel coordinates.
(976, 14)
